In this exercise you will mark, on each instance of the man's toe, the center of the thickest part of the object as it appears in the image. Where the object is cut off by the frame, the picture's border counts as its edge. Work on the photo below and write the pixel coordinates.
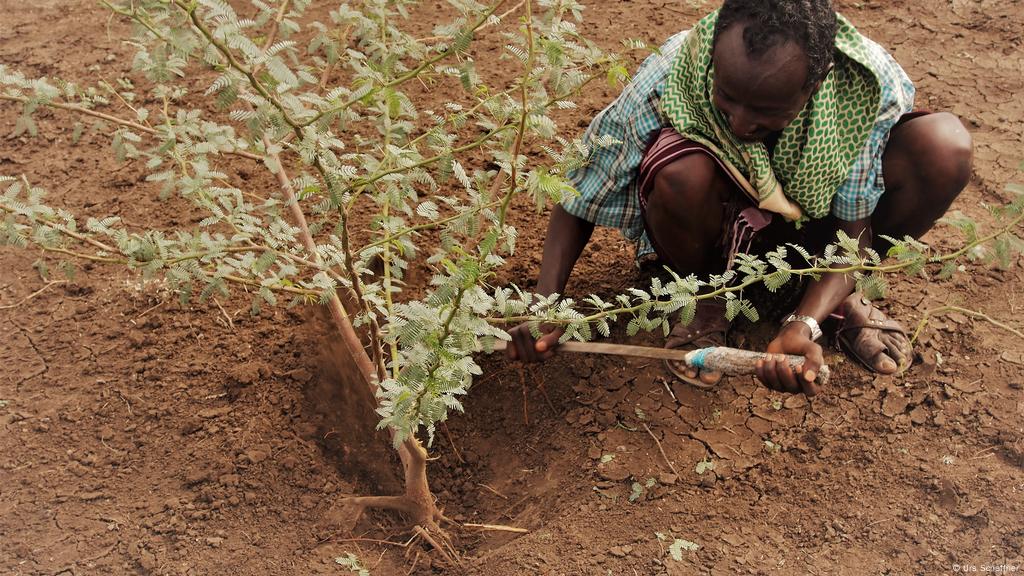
(710, 377)
(898, 348)
(885, 365)
(683, 368)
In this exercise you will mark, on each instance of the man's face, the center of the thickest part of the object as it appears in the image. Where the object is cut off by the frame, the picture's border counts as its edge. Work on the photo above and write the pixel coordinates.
(761, 93)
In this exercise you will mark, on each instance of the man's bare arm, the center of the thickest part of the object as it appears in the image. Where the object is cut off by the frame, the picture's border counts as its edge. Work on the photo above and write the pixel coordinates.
(824, 296)
(821, 298)
(567, 236)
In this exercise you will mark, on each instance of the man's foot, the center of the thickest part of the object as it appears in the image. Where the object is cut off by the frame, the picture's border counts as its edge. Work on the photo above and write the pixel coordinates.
(867, 335)
(708, 328)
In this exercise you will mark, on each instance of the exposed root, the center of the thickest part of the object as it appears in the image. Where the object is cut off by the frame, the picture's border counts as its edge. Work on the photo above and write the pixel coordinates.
(440, 541)
(455, 450)
(498, 528)
(426, 522)
(399, 503)
(526, 404)
(538, 380)
(662, 450)
(414, 563)
(440, 517)
(417, 504)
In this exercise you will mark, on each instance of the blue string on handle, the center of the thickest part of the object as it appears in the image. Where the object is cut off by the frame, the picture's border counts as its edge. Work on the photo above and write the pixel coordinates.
(699, 356)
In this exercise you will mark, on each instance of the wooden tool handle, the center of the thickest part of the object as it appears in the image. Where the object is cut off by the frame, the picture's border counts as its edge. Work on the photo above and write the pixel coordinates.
(728, 361)
(736, 362)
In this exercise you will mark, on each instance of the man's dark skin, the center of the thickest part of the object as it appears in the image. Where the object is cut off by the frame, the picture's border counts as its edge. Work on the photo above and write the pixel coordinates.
(926, 164)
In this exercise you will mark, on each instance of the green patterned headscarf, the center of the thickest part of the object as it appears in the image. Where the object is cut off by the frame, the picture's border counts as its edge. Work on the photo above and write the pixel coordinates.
(815, 151)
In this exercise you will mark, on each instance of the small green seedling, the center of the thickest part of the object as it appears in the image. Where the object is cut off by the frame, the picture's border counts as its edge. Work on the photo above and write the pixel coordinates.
(351, 561)
(638, 490)
(676, 549)
(704, 465)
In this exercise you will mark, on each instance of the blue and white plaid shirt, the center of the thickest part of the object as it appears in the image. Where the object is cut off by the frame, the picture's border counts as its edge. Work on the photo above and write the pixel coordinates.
(608, 183)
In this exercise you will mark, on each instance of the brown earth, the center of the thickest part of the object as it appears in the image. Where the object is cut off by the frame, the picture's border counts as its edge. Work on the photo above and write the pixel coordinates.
(145, 437)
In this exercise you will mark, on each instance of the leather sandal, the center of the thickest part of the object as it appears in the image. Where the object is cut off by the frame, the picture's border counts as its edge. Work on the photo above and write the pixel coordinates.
(860, 340)
(708, 328)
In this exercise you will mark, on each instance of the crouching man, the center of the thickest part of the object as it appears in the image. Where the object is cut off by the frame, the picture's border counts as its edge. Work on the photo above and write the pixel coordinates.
(765, 115)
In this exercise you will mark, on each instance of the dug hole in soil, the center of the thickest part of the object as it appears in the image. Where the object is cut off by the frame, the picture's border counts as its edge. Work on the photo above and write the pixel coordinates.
(144, 437)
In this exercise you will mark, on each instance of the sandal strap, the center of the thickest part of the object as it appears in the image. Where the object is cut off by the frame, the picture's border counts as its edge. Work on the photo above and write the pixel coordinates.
(886, 325)
(877, 320)
(708, 321)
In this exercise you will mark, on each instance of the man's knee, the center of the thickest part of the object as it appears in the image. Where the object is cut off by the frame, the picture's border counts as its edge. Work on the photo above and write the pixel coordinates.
(954, 145)
(691, 181)
(943, 152)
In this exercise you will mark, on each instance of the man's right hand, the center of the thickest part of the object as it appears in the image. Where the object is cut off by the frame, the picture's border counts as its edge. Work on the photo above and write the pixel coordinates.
(524, 347)
(567, 235)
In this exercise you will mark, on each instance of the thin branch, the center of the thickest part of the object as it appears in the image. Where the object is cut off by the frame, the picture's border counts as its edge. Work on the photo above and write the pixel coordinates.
(131, 262)
(325, 75)
(500, 17)
(198, 24)
(354, 288)
(513, 186)
(430, 225)
(82, 110)
(114, 119)
(356, 280)
(272, 35)
(972, 313)
(106, 85)
(473, 145)
(524, 103)
(134, 16)
(457, 150)
(34, 294)
(508, 12)
(82, 256)
(389, 303)
(412, 143)
(810, 271)
(337, 310)
(661, 449)
(71, 233)
(217, 252)
(415, 72)
(250, 282)
(979, 241)
(348, 333)
(229, 277)
(486, 138)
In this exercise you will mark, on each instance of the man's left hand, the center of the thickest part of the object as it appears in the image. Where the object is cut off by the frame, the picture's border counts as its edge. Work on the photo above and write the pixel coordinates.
(775, 373)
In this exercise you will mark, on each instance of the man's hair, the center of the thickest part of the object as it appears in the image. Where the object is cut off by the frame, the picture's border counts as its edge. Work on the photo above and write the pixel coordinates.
(770, 23)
